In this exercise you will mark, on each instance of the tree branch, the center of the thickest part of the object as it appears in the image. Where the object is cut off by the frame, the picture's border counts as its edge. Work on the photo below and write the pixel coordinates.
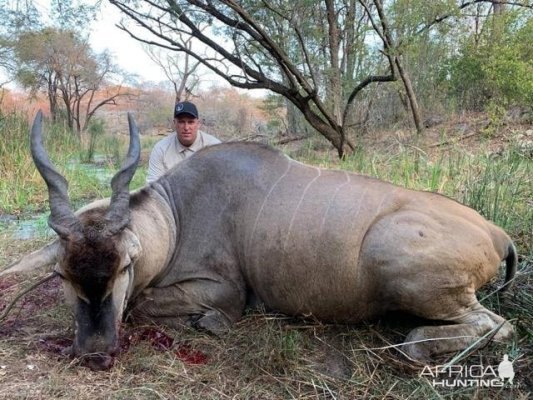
(464, 5)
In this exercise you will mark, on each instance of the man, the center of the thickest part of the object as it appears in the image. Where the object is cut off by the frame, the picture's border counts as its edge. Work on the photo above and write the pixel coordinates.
(178, 146)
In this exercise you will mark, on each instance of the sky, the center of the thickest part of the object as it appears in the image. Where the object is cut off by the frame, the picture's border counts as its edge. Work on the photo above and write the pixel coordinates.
(127, 52)
(130, 56)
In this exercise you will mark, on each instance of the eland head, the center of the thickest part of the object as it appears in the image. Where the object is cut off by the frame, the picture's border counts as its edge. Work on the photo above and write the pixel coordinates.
(94, 253)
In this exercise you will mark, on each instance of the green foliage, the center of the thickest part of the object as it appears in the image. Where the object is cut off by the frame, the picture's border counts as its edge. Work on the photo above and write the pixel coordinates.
(467, 80)
(73, 14)
(23, 17)
(95, 130)
(47, 56)
(17, 16)
(496, 113)
(410, 16)
(273, 106)
(496, 66)
(509, 67)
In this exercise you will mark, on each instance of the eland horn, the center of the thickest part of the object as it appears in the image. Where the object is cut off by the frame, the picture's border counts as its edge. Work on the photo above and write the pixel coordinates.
(62, 219)
(118, 215)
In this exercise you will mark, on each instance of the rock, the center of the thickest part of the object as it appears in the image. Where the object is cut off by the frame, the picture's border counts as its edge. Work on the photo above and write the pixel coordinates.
(433, 120)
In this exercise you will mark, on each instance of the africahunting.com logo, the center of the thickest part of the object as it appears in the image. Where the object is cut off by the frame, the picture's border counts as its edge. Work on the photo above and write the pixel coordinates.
(456, 376)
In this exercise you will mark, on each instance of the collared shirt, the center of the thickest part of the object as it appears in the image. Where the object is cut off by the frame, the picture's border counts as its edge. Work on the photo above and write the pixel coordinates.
(169, 152)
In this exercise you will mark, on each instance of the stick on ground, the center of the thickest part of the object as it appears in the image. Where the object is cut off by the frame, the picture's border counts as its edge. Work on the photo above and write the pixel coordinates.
(24, 292)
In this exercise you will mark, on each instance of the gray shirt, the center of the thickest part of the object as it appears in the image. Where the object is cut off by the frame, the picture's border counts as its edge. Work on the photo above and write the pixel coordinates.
(169, 152)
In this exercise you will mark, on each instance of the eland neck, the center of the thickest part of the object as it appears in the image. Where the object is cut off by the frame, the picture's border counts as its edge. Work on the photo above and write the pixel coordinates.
(156, 228)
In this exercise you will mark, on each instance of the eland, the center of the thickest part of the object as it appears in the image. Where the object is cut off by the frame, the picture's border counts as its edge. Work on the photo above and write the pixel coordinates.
(241, 222)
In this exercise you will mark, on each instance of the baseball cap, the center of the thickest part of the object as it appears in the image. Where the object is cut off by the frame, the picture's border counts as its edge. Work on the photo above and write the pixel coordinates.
(185, 107)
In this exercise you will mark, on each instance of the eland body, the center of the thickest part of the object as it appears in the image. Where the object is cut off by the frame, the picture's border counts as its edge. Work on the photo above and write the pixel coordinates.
(241, 221)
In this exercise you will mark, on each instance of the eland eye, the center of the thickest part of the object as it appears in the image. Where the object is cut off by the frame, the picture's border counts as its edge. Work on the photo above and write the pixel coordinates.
(126, 268)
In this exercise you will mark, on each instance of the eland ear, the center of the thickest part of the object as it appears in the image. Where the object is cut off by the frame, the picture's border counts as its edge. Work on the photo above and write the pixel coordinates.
(38, 259)
(132, 243)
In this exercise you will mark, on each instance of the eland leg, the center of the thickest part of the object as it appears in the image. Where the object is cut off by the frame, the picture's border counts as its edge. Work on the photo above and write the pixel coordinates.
(470, 326)
(205, 304)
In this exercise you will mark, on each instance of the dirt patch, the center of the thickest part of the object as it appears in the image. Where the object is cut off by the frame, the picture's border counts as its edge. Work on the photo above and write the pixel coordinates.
(6, 284)
(59, 345)
(30, 305)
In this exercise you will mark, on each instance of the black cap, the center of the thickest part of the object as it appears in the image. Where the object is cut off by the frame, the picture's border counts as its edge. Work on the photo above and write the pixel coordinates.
(185, 107)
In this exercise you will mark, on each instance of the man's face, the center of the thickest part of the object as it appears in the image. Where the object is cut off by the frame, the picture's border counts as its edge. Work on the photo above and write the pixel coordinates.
(187, 128)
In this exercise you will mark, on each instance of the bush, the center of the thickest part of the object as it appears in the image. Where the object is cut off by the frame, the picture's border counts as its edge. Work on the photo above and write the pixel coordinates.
(495, 67)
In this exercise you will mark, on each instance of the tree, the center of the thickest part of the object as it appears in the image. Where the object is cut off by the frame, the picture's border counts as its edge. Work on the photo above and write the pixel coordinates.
(16, 16)
(494, 65)
(62, 65)
(180, 72)
(19, 16)
(277, 45)
(55, 57)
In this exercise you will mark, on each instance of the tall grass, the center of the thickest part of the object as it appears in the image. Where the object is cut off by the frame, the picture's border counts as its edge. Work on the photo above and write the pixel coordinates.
(22, 188)
(19, 183)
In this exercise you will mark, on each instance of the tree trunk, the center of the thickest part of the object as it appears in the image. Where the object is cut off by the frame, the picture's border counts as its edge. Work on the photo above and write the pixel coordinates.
(413, 103)
(68, 110)
(498, 7)
(335, 86)
(52, 99)
(293, 125)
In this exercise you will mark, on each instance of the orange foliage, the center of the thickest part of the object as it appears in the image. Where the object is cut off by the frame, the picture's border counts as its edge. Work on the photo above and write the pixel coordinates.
(15, 101)
(226, 112)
